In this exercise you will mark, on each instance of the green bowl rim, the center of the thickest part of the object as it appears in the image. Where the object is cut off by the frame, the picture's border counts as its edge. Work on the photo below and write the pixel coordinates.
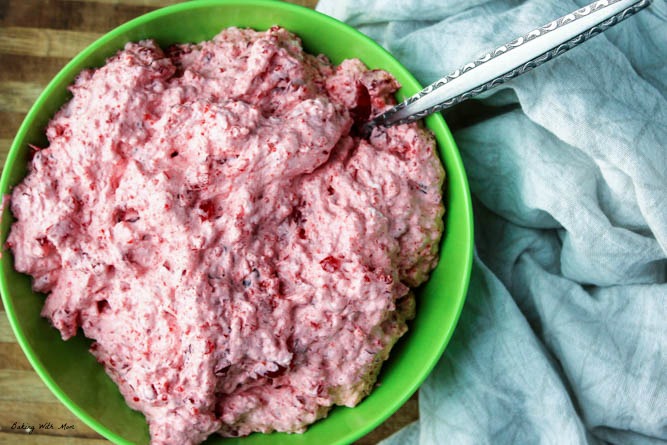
(89, 50)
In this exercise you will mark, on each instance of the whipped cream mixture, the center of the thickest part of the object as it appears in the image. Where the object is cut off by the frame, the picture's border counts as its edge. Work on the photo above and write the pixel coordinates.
(208, 216)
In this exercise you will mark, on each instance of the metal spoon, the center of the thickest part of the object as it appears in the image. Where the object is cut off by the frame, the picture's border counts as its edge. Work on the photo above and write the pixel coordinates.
(510, 60)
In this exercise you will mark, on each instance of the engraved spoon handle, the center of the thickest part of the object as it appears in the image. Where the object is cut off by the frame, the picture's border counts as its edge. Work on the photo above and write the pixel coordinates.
(510, 60)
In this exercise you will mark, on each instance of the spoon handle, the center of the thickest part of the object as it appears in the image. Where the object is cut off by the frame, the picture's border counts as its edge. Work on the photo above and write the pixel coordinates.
(511, 60)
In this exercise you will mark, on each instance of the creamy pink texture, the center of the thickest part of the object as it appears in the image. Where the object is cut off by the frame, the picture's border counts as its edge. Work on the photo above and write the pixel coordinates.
(241, 260)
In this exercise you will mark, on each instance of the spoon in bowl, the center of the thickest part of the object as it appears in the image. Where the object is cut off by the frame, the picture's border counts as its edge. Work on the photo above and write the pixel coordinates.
(509, 61)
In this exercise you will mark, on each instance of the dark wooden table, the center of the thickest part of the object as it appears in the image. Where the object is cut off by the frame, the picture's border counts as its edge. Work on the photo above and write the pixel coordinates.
(37, 38)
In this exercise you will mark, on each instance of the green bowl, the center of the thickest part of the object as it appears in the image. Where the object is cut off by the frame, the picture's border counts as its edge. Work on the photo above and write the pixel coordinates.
(71, 372)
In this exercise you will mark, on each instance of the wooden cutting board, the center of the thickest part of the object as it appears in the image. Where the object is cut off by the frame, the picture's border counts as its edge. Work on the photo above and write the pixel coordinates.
(37, 38)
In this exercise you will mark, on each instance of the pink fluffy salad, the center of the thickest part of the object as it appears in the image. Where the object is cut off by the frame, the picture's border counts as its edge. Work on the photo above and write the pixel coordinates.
(209, 217)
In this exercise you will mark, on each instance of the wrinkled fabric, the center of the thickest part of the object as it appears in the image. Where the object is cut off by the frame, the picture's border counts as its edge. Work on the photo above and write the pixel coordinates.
(563, 337)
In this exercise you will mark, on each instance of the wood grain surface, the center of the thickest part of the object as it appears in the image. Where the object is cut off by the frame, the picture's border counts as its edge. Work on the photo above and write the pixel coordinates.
(37, 38)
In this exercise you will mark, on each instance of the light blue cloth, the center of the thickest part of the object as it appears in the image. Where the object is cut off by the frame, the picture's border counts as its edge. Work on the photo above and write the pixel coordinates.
(563, 338)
